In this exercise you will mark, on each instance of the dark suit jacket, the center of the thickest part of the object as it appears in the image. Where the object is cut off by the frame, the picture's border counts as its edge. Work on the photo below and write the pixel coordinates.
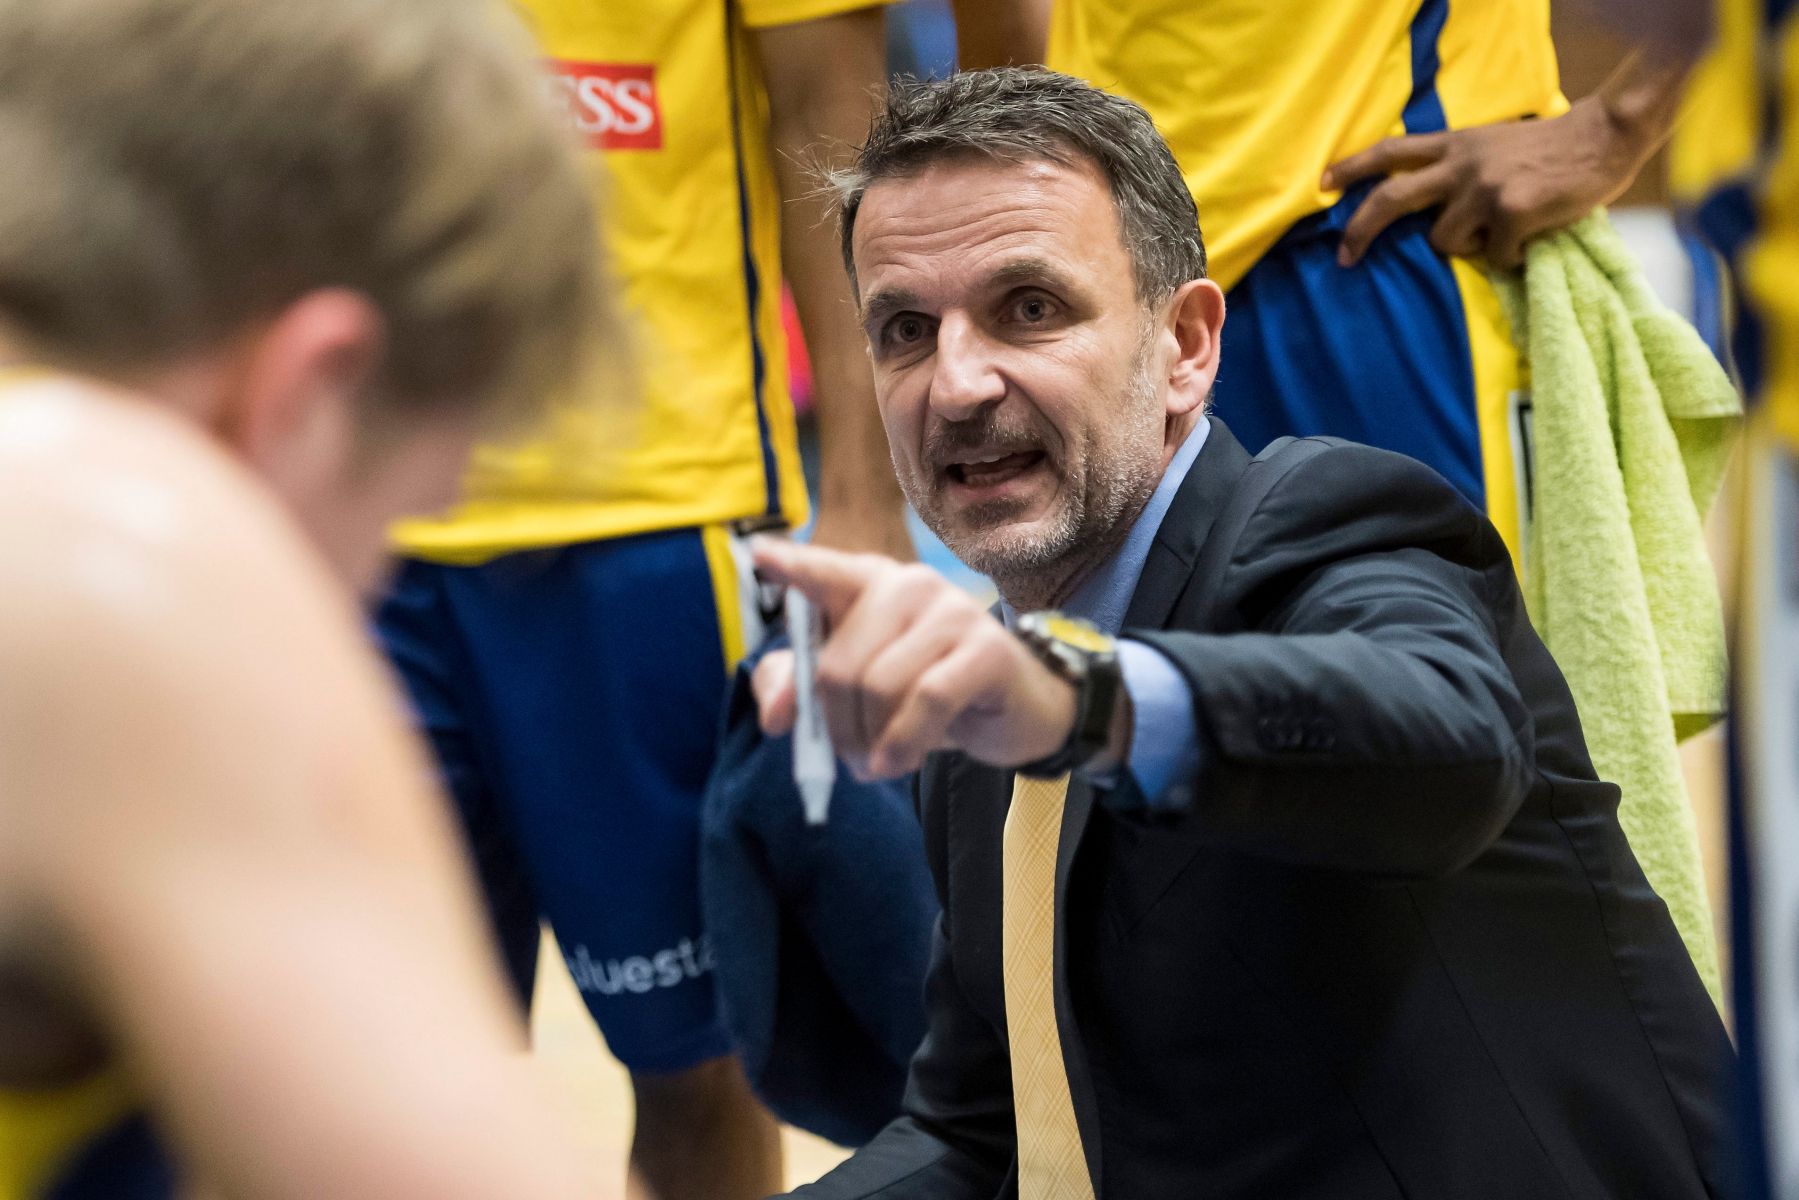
(1396, 947)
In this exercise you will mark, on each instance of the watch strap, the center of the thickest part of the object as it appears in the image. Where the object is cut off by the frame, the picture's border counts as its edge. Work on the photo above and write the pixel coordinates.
(1095, 701)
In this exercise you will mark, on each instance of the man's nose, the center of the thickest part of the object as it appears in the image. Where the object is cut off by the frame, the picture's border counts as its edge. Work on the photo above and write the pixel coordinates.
(967, 375)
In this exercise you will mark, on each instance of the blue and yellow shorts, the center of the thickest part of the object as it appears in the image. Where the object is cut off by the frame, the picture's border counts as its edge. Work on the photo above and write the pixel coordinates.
(84, 1141)
(1407, 350)
(572, 695)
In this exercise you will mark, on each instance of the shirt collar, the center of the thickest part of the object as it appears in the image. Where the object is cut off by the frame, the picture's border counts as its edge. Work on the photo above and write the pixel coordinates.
(1106, 595)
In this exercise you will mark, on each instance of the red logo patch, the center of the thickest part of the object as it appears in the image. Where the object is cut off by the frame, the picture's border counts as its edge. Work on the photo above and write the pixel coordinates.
(612, 105)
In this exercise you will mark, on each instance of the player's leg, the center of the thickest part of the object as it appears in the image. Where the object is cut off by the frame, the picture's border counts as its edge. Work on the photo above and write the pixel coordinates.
(1407, 350)
(602, 668)
(418, 630)
(701, 1132)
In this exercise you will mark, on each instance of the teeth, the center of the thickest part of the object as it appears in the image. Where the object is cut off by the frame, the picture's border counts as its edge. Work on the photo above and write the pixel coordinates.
(994, 459)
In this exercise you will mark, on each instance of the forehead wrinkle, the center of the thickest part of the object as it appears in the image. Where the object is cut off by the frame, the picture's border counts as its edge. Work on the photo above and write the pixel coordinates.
(898, 235)
(932, 231)
(895, 225)
(1035, 196)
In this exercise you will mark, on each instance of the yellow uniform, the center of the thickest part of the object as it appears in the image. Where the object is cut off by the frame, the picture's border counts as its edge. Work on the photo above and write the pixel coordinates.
(1772, 261)
(1256, 98)
(1771, 264)
(75, 1142)
(667, 95)
(567, 635)
(1734, 157)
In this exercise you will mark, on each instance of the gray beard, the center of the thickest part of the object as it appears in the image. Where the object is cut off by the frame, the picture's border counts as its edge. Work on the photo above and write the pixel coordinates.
(1041, 566)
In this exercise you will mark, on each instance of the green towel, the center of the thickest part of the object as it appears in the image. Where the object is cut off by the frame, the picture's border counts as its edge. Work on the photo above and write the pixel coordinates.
(1632, 420)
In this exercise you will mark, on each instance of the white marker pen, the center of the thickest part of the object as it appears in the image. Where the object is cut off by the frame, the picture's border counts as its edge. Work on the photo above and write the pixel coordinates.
(814, 760)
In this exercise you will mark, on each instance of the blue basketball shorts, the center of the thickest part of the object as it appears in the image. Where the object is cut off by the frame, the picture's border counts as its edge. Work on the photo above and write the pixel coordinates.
(572, 697)
(1407, 350)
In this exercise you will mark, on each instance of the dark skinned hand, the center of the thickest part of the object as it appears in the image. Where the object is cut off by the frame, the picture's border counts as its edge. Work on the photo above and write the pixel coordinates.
(1501, 185)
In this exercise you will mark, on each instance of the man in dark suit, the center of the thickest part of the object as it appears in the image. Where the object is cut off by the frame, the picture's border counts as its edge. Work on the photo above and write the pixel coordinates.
(1304, 886)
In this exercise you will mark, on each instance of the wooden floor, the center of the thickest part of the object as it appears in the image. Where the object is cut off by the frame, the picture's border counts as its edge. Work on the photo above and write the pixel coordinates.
(570, 1046)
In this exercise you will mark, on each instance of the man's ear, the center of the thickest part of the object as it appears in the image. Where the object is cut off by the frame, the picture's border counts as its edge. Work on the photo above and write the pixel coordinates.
(291, 413)
(1194, 320)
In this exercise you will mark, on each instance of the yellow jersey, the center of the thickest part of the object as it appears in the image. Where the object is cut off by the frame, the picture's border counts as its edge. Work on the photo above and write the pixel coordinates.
(667, 97)
(1771, 264)
(1734, 157)
(1257, 97)
(44, 1133)
(1770, 260)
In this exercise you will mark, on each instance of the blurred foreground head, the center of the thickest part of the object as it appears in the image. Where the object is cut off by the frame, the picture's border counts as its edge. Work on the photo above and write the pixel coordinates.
(344, 235)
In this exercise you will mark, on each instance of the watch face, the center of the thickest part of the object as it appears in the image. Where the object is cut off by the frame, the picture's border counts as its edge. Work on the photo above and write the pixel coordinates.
(1077, 633)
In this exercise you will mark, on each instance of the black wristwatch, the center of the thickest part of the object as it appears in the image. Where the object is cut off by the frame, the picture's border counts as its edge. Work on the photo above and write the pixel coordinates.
(1078, 652)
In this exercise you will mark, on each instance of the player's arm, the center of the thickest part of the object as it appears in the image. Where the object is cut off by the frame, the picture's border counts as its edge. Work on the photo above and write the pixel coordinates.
(1674, 26)
(1001, 33)
(1500, 185)
(221, 847)
(822, 77)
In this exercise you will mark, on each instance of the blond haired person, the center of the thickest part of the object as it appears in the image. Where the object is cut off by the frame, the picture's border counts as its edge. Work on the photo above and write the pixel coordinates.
(265, 271)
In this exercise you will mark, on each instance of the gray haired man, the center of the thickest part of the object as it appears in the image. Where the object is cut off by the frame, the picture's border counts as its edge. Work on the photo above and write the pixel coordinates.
(1273, 863)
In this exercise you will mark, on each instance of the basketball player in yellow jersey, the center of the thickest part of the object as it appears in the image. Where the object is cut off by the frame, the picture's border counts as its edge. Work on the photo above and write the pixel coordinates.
(264, 271)
(567, 633)
(1356, 306)
(1735, 161)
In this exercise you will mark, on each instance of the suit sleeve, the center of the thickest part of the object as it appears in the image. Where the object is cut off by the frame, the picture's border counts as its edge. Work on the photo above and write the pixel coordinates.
(1364, 718)
(956, 1139)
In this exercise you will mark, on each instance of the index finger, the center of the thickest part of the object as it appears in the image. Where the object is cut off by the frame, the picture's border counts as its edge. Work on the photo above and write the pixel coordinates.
(1388, 202)
(831, 579)
(1383, 158)
(773, 686)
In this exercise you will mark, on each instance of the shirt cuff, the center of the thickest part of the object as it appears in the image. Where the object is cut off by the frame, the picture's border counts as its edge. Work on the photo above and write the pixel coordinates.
(1164, 744)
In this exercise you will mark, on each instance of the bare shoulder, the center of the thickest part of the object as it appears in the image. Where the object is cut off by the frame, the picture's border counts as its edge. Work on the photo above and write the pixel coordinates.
(174, 659)
(120, 508)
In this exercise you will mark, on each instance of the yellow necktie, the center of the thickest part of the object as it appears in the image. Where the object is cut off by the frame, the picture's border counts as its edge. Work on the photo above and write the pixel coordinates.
(1051, 1165)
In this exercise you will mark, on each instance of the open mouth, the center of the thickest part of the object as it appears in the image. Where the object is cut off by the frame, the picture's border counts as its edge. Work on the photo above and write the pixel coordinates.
(994, 470)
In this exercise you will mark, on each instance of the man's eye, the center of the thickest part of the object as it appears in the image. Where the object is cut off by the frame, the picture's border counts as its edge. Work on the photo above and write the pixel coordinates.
(907, 330)
(1033, 309)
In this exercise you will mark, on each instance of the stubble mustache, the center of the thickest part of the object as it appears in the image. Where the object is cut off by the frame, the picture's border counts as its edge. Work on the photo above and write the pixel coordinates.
(989, 433)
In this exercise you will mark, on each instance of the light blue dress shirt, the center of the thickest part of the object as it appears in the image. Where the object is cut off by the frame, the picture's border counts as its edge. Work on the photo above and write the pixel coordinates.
(1164, 748)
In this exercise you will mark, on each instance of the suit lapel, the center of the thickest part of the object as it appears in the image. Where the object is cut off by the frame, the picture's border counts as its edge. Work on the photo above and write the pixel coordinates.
(980, 796)
(1166, 573)
(1202, 496)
